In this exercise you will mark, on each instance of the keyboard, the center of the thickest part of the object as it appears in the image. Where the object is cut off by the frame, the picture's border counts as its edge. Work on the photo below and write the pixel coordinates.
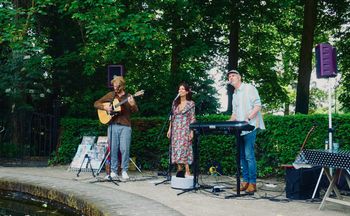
(224, 127)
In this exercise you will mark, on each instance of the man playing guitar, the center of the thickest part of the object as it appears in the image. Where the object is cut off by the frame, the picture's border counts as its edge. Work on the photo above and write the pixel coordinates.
(119, 129)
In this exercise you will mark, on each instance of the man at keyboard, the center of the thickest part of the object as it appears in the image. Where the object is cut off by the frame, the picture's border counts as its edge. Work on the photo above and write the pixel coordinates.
(246, 106)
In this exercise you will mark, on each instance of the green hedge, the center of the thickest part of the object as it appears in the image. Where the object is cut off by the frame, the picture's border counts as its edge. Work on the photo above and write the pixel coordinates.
(278, 144)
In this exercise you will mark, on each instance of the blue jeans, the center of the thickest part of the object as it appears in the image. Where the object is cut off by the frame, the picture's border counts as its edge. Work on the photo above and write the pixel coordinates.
(248, 161)
(120, 136)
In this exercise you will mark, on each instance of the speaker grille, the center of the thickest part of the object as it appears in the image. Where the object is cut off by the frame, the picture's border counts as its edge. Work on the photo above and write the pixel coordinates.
(326, 65)
(113, 71)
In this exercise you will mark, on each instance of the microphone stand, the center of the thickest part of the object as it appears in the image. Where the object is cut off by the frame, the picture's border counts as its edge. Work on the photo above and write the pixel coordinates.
(170, 120)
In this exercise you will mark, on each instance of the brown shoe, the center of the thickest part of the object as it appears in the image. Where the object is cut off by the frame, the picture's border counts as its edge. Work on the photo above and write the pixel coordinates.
(251, 188)
(244, 186)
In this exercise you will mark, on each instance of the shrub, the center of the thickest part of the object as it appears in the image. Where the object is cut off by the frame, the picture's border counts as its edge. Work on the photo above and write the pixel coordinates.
(279, 144)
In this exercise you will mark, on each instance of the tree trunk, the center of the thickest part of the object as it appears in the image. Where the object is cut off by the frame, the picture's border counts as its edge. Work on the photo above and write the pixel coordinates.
(174, 67)
(305, 67)
(234, 27)
(286, 108)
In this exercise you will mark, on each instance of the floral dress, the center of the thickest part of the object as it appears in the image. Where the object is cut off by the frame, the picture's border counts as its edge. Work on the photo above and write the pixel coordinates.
(181, 145)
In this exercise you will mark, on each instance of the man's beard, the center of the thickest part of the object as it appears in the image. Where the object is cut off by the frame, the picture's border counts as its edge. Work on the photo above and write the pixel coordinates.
(118, 90)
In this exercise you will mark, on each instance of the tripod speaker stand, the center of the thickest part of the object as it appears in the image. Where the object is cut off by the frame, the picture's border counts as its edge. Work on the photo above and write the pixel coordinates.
(330, 135)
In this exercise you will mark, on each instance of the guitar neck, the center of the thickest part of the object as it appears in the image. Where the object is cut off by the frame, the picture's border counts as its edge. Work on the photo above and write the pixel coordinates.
(123, 101)
(105, 117)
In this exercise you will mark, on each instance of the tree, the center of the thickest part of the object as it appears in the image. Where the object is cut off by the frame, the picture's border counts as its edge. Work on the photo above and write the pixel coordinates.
(258, 40)
(339, 17)
(304, 73)
(160, 44)
(233, 52)
(25, 79)
(344, 67)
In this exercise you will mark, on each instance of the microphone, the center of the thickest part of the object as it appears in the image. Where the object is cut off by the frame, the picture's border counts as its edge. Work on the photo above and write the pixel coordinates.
(176, 96)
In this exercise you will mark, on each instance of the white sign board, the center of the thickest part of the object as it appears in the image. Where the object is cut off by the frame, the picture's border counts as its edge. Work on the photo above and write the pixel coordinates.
(88, 149)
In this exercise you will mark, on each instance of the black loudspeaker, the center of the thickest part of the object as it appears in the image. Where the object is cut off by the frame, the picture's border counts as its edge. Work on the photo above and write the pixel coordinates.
(113, 71)
(300, 183)
(326, 61)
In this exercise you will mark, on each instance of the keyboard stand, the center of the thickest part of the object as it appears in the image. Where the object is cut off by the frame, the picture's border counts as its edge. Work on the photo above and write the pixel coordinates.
(230, 130)
(238, 162)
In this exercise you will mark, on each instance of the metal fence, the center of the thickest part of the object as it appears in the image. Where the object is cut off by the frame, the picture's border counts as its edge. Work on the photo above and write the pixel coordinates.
(43, 134)
(28, 135)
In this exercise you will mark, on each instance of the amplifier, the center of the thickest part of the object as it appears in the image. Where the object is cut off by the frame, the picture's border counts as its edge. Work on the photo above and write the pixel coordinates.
(300, 183)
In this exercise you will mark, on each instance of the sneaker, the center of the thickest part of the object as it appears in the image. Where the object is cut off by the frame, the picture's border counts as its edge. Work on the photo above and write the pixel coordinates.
(107, 177)
(114, 175)
(125, 175)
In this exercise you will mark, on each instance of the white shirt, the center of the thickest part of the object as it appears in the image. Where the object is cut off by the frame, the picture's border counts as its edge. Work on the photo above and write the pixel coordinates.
(243, 101)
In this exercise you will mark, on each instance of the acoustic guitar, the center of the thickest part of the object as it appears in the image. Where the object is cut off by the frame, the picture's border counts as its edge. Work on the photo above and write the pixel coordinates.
(106, 117)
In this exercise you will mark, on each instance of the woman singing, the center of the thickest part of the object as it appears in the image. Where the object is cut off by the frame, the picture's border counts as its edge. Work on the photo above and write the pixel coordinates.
(183, 110)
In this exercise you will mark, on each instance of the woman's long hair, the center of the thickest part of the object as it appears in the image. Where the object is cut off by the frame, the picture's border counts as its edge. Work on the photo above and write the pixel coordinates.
(188, 96)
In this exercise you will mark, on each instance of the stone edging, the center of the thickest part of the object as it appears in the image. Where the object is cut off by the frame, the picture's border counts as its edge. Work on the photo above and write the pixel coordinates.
(70, 200)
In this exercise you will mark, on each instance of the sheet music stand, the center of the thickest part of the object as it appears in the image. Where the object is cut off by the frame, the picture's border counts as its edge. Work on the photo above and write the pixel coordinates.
(336, 160)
